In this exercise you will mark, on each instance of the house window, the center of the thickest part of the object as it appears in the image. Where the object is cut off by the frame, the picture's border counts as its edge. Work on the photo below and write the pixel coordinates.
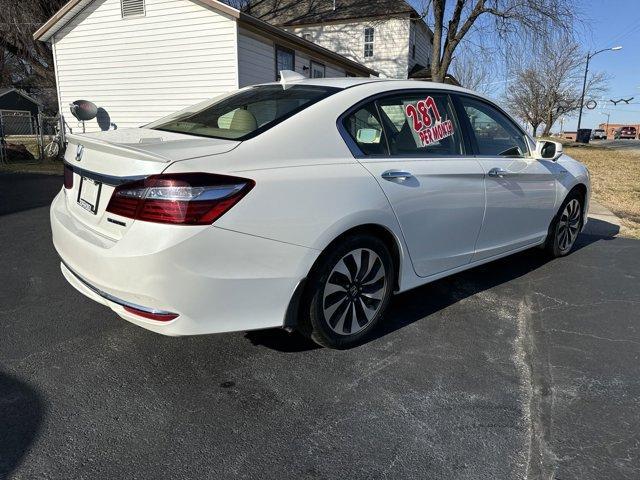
(317, 70)
(132, 8)
(285, 60)
(368, 42)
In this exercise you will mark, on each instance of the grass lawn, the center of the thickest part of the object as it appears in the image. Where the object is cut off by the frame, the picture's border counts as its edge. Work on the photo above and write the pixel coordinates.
(615, 181)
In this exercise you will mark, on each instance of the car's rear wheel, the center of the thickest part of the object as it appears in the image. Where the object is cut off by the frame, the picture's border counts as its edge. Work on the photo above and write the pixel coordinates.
(348, 292)
(566, 226)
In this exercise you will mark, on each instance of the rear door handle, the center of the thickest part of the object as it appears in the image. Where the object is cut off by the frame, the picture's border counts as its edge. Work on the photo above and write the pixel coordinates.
(396, 175)
(498, 172)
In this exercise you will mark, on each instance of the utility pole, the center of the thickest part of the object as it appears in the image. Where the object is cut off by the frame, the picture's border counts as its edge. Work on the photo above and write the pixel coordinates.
(606, 128)
(584, 81)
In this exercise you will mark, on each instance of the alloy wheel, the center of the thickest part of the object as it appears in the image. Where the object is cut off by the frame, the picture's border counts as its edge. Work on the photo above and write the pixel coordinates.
(354, 291)
(569, 225)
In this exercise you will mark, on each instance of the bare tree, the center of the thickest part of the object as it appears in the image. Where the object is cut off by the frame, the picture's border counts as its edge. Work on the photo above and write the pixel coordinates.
(471, 67)
(500, 19)
(549, 85)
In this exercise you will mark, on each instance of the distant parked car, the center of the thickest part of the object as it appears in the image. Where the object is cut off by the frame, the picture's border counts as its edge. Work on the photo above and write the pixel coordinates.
(598, 134)
(625, 132)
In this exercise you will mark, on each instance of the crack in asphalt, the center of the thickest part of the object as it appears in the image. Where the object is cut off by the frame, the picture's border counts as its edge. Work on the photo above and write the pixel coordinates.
(531, 358)
(582, 334)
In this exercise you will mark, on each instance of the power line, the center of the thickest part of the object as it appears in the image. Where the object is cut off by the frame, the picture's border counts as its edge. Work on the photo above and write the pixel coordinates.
(635, 24)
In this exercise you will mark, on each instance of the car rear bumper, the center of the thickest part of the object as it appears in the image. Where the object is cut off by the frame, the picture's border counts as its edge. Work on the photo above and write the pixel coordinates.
(215, 279)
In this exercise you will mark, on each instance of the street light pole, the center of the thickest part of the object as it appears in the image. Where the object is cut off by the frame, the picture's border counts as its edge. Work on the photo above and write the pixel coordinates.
(584, 82)
(584, 87)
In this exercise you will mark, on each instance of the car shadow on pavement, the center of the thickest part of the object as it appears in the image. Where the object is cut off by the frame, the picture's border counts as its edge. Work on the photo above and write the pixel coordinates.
(24, 191)
(21, 414)
(414, 305)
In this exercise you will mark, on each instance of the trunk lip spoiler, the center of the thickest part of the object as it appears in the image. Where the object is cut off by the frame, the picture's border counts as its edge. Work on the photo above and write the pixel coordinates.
(129, 150)
(111, 180)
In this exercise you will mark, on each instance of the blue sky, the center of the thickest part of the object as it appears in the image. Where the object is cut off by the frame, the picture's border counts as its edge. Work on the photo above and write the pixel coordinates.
(609, 23)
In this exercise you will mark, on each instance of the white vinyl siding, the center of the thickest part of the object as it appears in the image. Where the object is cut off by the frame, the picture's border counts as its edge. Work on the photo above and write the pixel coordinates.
(421, 37)
(256, 60)
(391, 43)
(142, 68)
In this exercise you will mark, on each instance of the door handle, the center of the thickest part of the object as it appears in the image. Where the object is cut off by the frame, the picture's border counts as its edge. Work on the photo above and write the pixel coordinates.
(498, 172)
(396, 175)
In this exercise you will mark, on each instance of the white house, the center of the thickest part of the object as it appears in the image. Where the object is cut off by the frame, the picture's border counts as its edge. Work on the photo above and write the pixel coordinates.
(386, 35)
(139, 60)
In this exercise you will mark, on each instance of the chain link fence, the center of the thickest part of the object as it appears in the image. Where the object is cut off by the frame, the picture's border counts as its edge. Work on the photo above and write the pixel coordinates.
(23, 136)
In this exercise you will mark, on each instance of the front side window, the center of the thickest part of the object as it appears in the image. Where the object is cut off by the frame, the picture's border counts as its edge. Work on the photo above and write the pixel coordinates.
(365, 129)
(243, 114)
(369, 33)
(495, 134)
(285, 60)
(420, 124)
(317, 70)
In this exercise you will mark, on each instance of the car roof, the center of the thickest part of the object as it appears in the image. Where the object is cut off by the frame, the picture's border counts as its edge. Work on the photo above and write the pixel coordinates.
(385, 83)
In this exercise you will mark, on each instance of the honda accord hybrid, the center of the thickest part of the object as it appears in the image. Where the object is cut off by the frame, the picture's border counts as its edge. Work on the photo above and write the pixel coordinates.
(306, 204)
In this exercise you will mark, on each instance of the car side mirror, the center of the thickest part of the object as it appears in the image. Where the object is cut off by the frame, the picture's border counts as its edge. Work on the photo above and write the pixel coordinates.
(547, 150)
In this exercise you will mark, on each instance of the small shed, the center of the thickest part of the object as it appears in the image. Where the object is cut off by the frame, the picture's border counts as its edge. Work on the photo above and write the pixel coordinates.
(18, 112)
(140, 60)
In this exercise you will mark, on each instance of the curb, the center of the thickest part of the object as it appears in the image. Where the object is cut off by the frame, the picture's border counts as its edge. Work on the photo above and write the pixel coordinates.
(606, 222)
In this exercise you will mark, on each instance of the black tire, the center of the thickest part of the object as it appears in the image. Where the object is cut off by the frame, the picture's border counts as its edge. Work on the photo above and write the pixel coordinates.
(555, 245)
(358, 288)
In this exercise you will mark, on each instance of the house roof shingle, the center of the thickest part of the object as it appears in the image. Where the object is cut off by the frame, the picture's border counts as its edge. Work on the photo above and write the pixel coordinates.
(302, 12)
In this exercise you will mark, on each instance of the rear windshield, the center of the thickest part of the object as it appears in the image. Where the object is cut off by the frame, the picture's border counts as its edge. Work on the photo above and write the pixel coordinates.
(244, 114)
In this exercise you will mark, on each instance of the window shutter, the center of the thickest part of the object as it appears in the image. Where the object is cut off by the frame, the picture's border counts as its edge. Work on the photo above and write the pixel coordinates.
(132, 8)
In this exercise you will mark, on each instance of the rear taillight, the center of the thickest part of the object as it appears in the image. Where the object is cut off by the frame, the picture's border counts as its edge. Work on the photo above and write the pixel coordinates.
(68, 177)
(182, 198)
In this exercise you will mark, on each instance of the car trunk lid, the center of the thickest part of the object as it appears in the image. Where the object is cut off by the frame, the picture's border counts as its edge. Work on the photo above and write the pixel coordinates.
(102, 161)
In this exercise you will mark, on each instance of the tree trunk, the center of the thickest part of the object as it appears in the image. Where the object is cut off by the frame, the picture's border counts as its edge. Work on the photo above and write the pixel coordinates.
(436, 48)
(535, 129)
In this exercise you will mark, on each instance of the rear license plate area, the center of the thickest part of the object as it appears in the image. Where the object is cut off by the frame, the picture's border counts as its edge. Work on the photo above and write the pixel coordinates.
(89, 194)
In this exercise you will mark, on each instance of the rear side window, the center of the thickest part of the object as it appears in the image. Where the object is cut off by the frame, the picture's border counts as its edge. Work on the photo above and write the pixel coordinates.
(420, 124)
(244, 114)
(366, 130)
(495, 134)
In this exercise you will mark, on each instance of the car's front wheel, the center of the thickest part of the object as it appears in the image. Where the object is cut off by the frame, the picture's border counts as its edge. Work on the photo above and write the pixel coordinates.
(566, 226)
(348, 292)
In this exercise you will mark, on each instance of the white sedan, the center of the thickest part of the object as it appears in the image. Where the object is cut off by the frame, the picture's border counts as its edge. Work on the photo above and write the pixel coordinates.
(306, 204)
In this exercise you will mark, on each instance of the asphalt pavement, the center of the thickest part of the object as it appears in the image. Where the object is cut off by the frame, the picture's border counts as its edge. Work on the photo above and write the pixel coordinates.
(522, 368)
(625, 145)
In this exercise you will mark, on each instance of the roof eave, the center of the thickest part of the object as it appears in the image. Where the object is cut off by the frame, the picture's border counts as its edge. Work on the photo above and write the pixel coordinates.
(46, 31)
(22, 94)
